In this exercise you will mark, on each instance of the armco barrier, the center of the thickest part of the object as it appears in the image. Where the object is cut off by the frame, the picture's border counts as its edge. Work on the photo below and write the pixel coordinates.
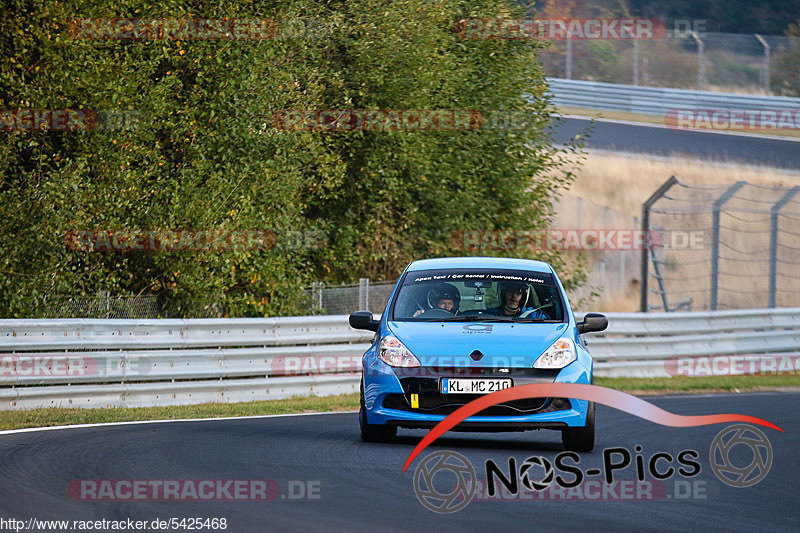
(101, 363)
(656, 100)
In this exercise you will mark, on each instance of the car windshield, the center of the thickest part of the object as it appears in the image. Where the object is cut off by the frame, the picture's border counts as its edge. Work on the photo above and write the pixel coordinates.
(464, 295)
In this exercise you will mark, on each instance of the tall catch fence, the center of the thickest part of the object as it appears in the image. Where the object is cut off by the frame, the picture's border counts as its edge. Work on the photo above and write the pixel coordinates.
(748, 254)
(732, 62)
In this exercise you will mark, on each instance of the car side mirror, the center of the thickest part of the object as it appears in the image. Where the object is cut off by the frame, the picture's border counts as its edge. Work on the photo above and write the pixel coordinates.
(363, 320)
(592, 322)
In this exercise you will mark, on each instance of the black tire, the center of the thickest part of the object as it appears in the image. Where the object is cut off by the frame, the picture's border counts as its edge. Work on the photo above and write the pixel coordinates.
(373, 432)
(580, 439)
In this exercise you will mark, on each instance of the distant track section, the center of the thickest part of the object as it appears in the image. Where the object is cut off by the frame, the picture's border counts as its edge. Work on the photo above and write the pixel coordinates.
(623, 136)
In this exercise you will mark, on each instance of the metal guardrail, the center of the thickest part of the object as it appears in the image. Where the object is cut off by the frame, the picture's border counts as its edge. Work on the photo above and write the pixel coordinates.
(656, 100)
(101, 363)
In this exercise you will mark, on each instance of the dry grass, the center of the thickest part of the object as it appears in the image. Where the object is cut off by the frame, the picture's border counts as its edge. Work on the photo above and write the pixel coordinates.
(624, 182)
(619, 301)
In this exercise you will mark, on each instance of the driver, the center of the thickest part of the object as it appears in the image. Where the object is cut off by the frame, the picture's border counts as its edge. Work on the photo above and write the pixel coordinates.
(514, 299)
(444, 296)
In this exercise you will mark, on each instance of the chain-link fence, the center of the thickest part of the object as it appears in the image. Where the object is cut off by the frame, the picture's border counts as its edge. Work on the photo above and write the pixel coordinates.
(344, 299)
(731, 62)
(104, 305)
(748, 256)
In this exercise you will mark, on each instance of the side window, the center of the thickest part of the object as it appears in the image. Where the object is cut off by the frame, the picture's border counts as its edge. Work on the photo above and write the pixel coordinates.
(548, 300)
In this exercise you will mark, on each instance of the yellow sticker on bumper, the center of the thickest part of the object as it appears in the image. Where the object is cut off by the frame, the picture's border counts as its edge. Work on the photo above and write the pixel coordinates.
(415, 401)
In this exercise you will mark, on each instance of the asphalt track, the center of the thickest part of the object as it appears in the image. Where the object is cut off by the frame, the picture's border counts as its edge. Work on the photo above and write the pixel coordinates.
(361, 486)
(660, 140)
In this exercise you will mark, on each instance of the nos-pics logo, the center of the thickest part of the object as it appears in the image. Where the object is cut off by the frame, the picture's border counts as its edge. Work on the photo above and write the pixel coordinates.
(445, 481)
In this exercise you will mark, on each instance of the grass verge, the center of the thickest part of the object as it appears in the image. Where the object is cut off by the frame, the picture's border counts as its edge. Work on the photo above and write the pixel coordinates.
(700, 385)
(56, 416)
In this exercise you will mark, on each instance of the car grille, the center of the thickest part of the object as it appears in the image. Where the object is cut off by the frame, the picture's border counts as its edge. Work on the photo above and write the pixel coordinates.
(444, 404)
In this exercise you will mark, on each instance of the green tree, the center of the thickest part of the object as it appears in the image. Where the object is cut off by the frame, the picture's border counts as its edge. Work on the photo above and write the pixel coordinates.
(202, 153)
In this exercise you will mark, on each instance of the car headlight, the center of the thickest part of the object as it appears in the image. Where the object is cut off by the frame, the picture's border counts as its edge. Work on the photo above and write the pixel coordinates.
(558, 355)
(392, 352)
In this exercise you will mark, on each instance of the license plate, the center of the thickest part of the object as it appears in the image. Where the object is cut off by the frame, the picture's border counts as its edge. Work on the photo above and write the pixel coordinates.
(472, 385)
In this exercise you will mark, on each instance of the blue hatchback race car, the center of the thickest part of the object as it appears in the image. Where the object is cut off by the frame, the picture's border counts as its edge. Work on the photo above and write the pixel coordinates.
(458, 328)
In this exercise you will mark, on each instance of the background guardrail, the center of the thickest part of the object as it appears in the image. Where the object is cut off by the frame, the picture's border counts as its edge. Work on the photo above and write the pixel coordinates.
(102, 363)
(656, 100)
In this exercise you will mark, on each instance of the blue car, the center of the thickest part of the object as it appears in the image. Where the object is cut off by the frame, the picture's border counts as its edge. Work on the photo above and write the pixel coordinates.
(458, 328)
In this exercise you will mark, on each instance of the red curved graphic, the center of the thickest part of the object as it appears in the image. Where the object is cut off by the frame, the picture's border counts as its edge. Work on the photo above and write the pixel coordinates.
(610, 397)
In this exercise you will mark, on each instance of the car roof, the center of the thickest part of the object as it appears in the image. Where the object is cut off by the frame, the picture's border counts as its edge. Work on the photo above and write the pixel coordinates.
(479, 262)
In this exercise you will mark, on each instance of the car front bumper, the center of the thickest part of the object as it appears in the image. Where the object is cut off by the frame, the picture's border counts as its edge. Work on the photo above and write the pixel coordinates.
(387, 397)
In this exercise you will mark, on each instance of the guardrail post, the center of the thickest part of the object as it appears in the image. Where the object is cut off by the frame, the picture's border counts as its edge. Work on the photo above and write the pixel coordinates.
(646, 228)
(718, 203)
(773, 241)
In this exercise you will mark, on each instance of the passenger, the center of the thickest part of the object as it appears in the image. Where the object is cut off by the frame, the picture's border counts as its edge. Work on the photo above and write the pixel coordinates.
(514, 300)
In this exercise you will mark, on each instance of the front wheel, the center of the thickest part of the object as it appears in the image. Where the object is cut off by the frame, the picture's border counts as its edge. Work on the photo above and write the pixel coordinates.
(580, 439)
(374, 432)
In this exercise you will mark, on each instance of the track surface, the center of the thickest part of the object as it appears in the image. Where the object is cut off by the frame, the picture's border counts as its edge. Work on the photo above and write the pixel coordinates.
(362, 487)
(752, 150)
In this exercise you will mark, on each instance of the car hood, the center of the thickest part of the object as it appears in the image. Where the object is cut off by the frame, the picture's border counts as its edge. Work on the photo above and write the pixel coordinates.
(501, 344)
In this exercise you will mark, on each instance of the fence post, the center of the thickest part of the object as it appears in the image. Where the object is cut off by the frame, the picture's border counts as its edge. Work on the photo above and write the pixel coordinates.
(646, 227)
(316, 297)
(635, 61)
(701, 64)
(106, 302)
(773, 241)
(765, 69)
(363, 294)
(568, 68)
(715, 210)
